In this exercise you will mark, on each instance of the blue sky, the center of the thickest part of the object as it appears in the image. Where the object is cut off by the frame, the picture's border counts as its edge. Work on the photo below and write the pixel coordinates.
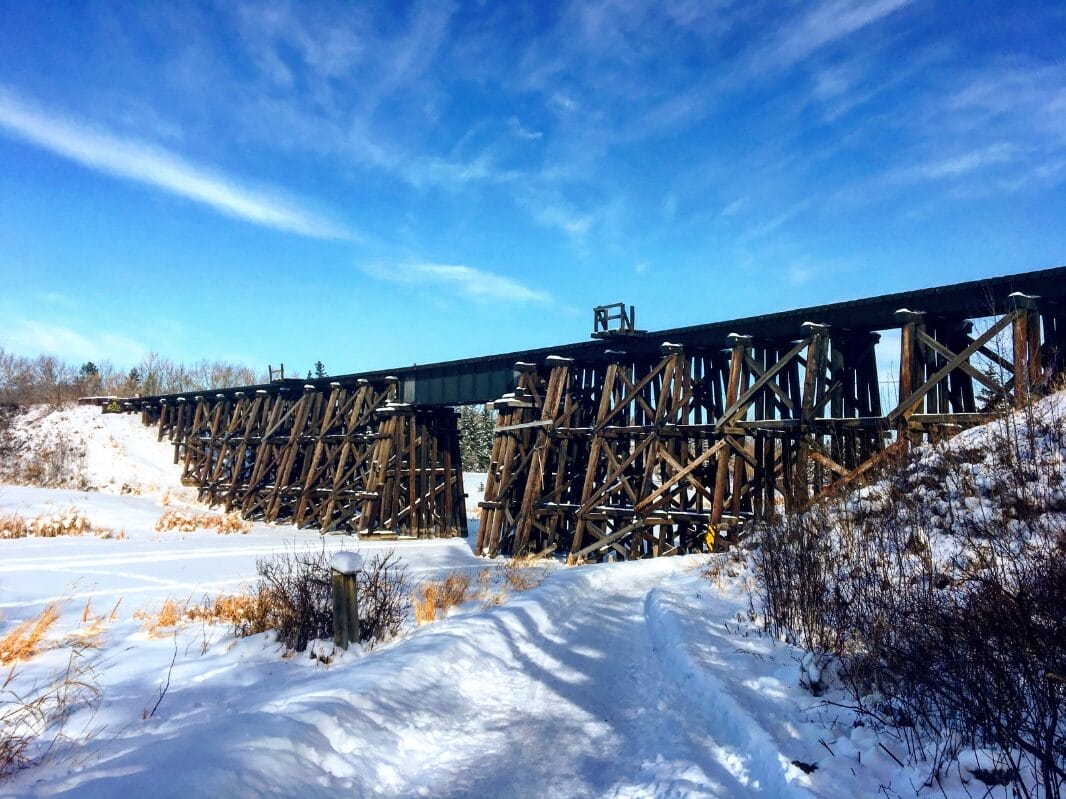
(379, 184)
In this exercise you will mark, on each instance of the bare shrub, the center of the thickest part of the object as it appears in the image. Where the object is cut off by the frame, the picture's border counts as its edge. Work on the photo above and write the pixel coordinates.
(293, 596)
(23, 642)
(39, 453)
(295, 589)
(940, 592)
(440, 595)
(977, 665)
(188, 521)
(9, 445)
(384, 592)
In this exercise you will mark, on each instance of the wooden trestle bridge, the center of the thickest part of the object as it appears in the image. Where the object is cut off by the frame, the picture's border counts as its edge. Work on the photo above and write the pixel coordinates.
(633, 444)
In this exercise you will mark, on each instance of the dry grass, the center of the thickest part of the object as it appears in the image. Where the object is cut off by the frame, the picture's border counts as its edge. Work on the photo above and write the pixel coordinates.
(169, 615)
(517, 574)
(234, 609)
(50, 525)
(24, 641)
(522, 574)
(32, 722)
(721, 568)
(440, 595)
(188, 521)
(90, 632)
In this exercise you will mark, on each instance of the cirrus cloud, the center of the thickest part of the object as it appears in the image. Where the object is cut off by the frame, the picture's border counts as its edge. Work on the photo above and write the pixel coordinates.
(476, 284)
(144, 163)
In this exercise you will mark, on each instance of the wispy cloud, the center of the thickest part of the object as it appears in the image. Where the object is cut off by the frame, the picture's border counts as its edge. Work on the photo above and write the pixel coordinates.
(476, 284)
(32, 337)
(143, 163)
(565, 219)
(771, 225)
(514, 124)
(823, 25)
(956, 165)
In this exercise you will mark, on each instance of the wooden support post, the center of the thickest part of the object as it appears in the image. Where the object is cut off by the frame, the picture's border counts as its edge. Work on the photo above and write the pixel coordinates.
(813, 381)
(741, 345)
(589, 486)
(911, 323)
(510, 457)
(162, 419)
(345, 571)
(1026, 340)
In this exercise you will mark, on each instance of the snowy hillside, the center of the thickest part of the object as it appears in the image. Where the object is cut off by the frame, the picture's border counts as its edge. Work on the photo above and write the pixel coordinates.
(111, 453)
(631, 679)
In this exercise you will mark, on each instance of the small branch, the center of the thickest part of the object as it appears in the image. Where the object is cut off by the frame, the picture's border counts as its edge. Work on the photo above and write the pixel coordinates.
(889, 751)
(166, 687)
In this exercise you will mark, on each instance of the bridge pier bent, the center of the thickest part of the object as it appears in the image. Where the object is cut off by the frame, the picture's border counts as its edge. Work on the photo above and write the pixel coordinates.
(623, 457)
(333, 457)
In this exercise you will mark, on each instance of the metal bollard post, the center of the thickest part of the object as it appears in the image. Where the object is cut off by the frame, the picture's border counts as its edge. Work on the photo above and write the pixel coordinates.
(345, 566)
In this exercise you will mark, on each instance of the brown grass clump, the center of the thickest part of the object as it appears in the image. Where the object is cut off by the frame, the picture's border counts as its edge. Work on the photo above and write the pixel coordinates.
(188, 521)
(522, 574)
(24, 641)
(13, 527)
(237, 610)
(50, 525)
(518, 574)
(440, 595)
(232, 609)
(169, 615)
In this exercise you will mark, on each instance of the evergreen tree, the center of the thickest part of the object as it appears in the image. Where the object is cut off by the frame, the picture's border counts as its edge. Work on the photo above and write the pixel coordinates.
(89, 378)
(320, 370)
(476, 430)
(133, 380)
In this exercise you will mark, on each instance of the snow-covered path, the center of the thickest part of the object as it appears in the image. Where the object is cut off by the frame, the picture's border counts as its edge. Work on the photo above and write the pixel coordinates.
(627, 679)
(586, 686)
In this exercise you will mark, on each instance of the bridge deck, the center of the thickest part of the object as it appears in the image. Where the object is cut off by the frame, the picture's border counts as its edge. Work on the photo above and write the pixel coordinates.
(485, 378)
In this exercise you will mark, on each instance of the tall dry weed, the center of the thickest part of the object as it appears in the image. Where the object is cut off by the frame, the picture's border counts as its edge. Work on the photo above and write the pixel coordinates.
(25, 641)
(33, 719)
(439, 596)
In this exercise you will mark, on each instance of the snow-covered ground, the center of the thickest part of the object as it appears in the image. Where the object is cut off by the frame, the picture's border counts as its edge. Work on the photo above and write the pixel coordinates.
(628, 679)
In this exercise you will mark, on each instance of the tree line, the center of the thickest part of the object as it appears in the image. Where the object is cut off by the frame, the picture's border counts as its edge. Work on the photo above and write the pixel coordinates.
(48, 379)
